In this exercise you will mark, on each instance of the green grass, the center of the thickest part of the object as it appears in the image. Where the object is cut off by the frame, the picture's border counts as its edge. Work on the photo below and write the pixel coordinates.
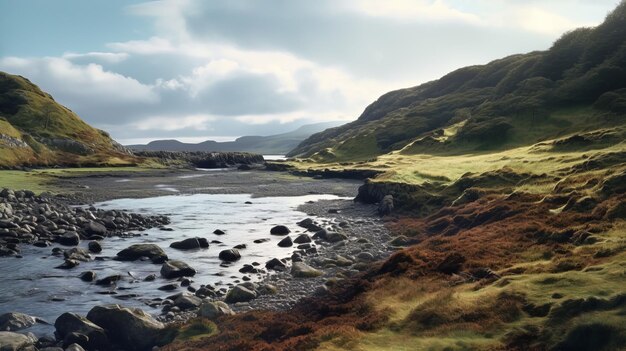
(197, 329)
(42, 180)
(388, 340)
(33, 181)
(7, 129)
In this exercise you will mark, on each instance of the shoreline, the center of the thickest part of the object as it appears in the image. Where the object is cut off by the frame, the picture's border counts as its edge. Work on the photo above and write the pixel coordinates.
(365, 233)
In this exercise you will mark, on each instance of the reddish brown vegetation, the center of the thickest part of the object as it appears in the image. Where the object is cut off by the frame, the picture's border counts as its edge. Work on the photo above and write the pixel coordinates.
(467, 242)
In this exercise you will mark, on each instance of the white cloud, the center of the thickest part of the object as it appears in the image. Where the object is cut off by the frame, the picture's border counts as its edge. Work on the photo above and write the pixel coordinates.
(413, 10)
(77, 83)
(173, 123)
(154, 45)
(220, 67)
(109, 57)
(536, 19)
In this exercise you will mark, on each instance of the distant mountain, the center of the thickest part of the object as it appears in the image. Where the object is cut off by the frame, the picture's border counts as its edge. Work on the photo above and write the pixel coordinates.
(576, 85)
(278, 144)
(35, 130)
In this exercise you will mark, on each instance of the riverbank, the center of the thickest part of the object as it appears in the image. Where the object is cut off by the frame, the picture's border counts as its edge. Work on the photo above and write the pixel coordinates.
(358, 238)
(521, 249)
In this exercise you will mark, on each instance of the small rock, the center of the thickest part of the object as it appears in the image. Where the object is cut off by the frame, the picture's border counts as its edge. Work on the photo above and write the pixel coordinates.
(134, 252)
(69, 239)
(186, 301)
(365, 256)
(95, 228)
(385, 206)
(110, 280)
(280, 230)
(275, 264)
(229, 255)
(240, 294)
(10, 341)
(215, 309)
(88, 276)
(94, 247)
(13, 321)
(168, 287)
(334, 237)
(286, 242)
(302, 239)
(175, 269)
(187, 244)
(68, 264)
(131, 328)
(302, 270)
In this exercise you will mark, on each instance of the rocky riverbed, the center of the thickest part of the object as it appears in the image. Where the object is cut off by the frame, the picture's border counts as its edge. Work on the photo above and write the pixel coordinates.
(299, 252)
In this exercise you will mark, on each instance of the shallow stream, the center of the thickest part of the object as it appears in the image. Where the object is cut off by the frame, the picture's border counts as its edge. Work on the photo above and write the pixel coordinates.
(33, 286)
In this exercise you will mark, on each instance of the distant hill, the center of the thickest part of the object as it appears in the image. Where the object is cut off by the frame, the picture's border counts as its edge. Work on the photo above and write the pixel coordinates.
(576, 85)
(37, 131)
(278, 144)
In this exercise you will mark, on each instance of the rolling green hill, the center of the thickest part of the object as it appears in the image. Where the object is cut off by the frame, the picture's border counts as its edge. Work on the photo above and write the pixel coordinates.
(35, 130)
(578, 85)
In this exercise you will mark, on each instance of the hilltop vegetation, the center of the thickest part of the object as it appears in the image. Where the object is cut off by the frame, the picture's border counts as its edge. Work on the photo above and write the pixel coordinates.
(577, 85)
(37, 131)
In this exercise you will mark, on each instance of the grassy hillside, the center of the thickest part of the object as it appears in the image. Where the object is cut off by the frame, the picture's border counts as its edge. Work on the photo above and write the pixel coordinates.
(509, 184)
(577, 85)
(37, 131)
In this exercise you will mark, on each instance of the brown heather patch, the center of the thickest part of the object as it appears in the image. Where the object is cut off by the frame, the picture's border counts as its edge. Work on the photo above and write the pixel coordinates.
(416, 290)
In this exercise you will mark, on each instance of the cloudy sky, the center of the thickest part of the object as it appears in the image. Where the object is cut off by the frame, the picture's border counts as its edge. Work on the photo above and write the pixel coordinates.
(197, 70)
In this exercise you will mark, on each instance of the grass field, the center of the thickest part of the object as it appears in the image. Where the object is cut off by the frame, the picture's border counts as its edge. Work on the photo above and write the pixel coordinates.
(42, 180)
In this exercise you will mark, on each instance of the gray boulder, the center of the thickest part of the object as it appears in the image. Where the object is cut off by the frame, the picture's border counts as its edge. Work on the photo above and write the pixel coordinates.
(385, 206)
(280, 230)
(334, 237)
(130, 328)
(78, 254)
(176, 269)
(69, 239)
(240, 294)
(302, 270)
(187, 244)
(10, 341)
(275, 264)
(302, 239)
(134, 252)
(229, 255)
(186, 301)
(214, 309)
(13, 321)
(95, 228)
(94, 247)
(69, 323)
(286, 242)
(88, 276)
(310, 225)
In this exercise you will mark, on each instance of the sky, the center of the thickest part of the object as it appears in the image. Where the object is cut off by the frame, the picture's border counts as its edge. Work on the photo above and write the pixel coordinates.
(195, 70)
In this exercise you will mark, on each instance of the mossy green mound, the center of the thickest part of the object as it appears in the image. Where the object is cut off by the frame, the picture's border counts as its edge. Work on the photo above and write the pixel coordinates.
(35, 130)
